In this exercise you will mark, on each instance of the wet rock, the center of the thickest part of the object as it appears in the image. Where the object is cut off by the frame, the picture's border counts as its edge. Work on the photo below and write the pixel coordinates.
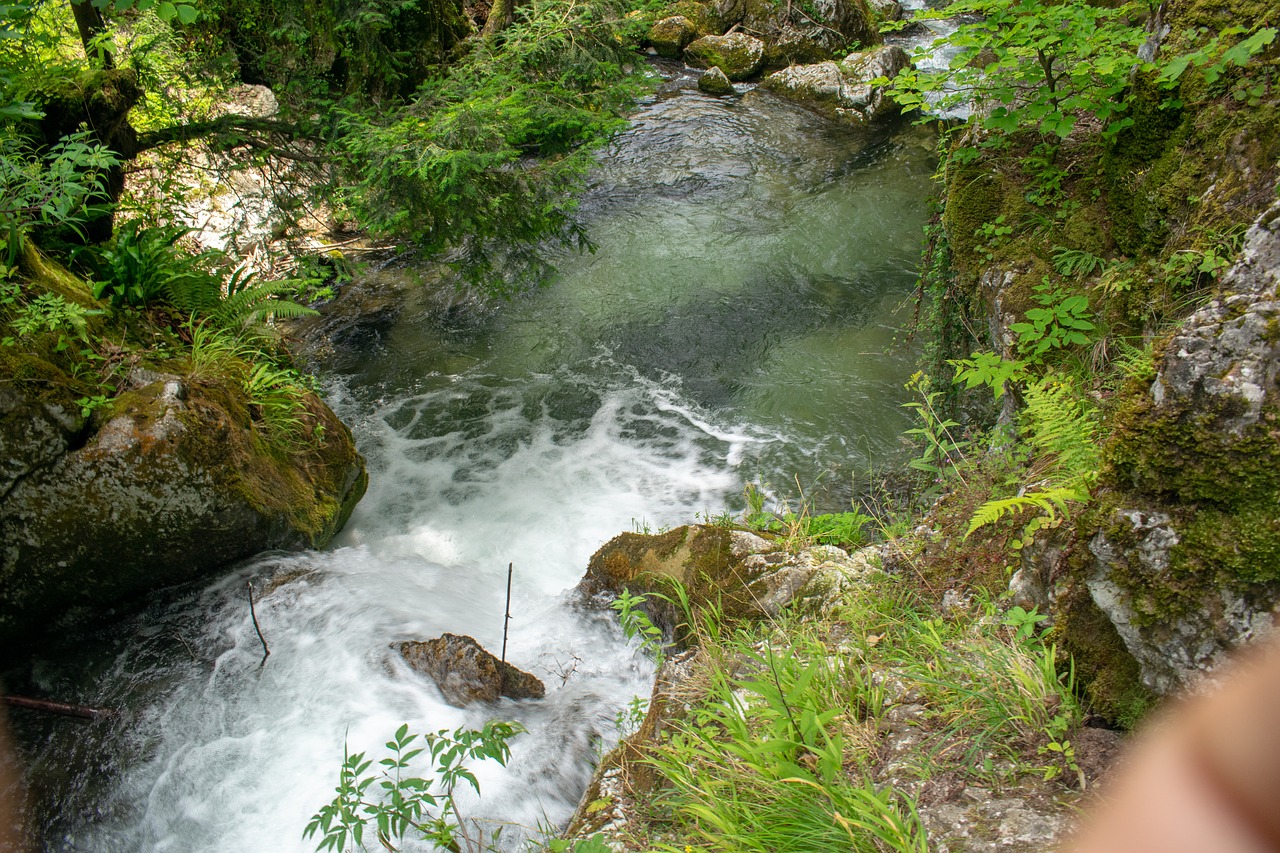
(670, 36)
(465, 672)
(843, 90)
(714, 82)
(738, 55)
(175, 481)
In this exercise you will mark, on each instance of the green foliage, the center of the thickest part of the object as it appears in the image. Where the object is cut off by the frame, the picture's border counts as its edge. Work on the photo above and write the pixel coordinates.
(636, 624)
(942, 452)
(401, 803)
(56, 189)
(142, 265)
(494, 148)
(759, 765)
(1060, 322)
(1030, 64)
(1078, 263)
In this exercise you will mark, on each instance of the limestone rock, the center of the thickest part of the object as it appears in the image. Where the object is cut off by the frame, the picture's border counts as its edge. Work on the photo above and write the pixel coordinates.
(465, 672)
(670, 36)
(715, 564)
(1188, 551)
(738, 55)
(843, 90)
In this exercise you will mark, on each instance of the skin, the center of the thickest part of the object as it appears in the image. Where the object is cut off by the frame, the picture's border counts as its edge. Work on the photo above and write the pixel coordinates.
(1205, 777)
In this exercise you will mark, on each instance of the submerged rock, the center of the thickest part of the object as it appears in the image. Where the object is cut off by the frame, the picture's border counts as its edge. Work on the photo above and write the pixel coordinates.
(738, 55)
(465, 672)
(843, 90)
(714, 82)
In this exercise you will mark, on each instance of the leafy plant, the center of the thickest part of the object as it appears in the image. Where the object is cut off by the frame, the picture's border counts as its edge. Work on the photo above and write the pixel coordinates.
(401, 803)
(1061, 321)
(1076, 262)
(636, 624)
(942, 451)
(58, 189)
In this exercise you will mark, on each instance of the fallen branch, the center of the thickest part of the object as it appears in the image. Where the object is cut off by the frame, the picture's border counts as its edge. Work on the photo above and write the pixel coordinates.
(266, 652)
(63, 709)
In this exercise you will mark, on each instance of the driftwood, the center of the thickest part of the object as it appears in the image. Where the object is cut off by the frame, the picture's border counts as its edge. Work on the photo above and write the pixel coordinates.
(83, 712)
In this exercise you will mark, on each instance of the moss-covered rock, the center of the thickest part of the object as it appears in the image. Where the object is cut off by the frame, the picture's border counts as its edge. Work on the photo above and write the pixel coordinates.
(1187, 543)
(174, 477)
(738, 55)
(715, 82)
(670, 36)
(805, 31)
(174, 483)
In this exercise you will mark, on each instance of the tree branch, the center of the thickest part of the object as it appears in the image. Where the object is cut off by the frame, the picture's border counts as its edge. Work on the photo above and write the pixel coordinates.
(233, 130)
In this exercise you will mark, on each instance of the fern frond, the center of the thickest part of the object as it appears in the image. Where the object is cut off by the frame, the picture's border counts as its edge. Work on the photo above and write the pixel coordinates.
(1060, 426)
(1050, 502)
(247, 304)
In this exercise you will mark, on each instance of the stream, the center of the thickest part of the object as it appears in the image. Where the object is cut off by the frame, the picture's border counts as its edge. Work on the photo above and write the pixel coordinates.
(739, 322)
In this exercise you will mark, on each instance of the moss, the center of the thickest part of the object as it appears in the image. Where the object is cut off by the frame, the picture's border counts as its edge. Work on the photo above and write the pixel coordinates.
(1105, 672)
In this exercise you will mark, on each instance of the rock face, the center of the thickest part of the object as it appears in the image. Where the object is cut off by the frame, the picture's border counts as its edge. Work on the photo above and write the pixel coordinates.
(738, 55)
(171, 483)
(1187, 549)
(843, 90)
(465, 672)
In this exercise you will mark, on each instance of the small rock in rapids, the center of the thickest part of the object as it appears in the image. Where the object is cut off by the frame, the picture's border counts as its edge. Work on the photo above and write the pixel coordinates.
(465, 672)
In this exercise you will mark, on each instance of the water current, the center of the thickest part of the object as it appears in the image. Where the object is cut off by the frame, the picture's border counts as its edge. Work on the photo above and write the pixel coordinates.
(738, 322)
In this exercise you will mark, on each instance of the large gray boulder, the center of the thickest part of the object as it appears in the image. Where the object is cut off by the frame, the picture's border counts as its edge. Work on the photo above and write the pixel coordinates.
(843, 90)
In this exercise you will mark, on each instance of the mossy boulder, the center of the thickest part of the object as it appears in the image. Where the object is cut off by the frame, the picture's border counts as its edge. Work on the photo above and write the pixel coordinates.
(843, 90)
(715, 82)
(1187, 540)
(738, 55)
(742, 574)
(670, 36)
(172, 481)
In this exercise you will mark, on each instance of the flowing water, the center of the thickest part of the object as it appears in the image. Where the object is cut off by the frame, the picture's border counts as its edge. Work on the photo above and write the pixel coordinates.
(737, 323)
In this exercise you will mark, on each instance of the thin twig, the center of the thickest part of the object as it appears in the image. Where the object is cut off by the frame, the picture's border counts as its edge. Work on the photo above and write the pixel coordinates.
(506, 620)
(266, 652)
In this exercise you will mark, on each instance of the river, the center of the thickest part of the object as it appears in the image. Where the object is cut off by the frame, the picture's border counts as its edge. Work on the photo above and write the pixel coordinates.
(737, 323)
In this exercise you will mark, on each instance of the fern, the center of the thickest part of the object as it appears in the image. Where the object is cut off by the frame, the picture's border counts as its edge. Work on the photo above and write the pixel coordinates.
(247, 304)
(1050, 502)
(1062, 430)
(1077, 262)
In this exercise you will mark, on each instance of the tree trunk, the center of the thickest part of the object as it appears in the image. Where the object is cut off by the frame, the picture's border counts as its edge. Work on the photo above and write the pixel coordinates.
(90, 24)
(501, 14)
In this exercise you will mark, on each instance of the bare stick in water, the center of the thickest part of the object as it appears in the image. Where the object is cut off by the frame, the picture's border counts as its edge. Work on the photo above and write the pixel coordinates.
(266, 652)
(84, 712)
(507, 618)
